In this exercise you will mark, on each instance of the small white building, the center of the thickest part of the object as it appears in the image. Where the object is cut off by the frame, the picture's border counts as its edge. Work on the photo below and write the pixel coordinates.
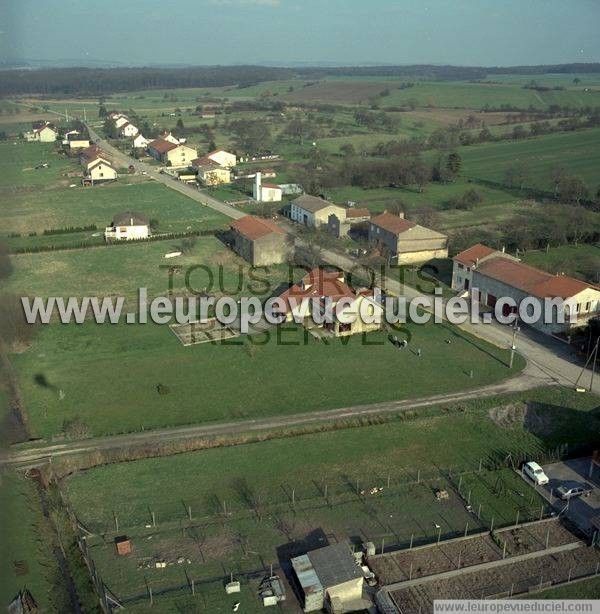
(265, 192)
(128, 226)
(78, 141)
(313, 211)
(222, 158)
(128, 130)
(140, 141)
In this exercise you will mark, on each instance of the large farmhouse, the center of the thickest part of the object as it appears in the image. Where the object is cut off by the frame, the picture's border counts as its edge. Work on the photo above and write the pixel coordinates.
(259, 241)
(171, 154)
(314, 211)
(330, 286)
(406, 242)
(497, 275)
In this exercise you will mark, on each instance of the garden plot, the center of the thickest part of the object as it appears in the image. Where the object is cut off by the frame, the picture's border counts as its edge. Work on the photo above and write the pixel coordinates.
(195, 333)
(460, 553)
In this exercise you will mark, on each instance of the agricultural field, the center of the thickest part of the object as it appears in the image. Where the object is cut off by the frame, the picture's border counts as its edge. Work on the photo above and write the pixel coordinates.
(228, 513)
(99, 271)
(577, 152)
(582, 261)
(138, 360)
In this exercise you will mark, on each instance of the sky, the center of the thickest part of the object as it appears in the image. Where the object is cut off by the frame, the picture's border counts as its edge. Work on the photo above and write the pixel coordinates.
(343, 32)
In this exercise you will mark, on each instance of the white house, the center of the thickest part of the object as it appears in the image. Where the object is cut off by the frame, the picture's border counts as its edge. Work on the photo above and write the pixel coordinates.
(140, 141)
(128, 130)
(128, 226)
(265, 192)
(99, 171)
(222, 158)
(43, 134)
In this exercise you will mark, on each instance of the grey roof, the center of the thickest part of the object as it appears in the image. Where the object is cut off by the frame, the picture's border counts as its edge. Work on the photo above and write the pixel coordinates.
(130, 218)
(334, 564)
(312, 203)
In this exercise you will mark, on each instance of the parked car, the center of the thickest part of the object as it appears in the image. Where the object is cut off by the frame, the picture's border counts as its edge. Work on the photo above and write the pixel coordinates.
(572, 490)
(535, 473)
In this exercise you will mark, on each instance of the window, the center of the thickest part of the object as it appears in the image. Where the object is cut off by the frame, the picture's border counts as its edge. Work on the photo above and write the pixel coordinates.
(588, 306)
(460, 266)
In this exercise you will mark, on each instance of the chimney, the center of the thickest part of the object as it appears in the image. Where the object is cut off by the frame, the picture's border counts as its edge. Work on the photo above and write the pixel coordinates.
(257, 186)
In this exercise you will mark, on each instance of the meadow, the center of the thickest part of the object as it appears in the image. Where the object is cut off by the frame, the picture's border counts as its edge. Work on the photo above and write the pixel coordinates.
(290, 372)
(244, 517)
(576, 152)
(99, 271)
(581, 261)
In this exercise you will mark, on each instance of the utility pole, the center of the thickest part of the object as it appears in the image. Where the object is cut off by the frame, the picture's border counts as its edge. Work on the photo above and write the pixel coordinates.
(594, 354)
(513, 347)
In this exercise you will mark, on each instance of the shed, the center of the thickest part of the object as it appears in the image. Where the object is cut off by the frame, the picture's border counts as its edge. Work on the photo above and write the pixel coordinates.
(123, 545)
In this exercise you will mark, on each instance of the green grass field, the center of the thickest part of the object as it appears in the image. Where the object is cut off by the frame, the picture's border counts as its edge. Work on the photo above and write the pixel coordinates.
(577, 152)
(38, 210)
(23, 540)
(243, 515)
(100, 271)
(582, 261)
(272, 379)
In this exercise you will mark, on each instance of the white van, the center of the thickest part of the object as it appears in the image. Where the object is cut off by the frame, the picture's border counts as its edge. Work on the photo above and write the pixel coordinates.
(535, 473)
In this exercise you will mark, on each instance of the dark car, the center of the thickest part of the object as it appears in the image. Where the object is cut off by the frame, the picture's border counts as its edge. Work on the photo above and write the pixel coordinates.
(572, 490)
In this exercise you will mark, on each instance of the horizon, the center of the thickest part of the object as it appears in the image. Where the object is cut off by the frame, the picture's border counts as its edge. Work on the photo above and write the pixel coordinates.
(346, 33)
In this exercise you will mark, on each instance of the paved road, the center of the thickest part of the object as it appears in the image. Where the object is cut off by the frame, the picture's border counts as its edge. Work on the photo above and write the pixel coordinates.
(152, 172)
(26, 454)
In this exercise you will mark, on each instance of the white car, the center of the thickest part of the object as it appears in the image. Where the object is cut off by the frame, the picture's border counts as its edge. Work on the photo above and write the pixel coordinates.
(535, 473)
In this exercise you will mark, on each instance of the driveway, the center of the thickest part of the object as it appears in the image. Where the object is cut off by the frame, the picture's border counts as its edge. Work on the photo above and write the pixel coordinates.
(579, 510)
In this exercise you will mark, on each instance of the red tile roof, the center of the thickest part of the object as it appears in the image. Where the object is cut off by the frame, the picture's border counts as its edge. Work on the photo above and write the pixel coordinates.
(316, 284)
(162, 146)
(254, 228)
(360, 212)
(470, 256)
(531, 280)
(392, 223)
(204, 161)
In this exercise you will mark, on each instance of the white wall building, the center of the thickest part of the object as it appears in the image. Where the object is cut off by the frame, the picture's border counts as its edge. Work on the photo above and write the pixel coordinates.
(140, 141)
(128, 226)
(265, 192)
(128, 130)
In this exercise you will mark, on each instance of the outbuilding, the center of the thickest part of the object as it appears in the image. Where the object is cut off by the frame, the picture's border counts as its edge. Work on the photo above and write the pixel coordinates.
(259, 241)
(329, 578)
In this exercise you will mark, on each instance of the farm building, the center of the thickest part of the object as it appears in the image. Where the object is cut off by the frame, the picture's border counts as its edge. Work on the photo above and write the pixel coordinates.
(222, 158)
(496, 275)
(329, 287)
(339, 228)
(128, 226)
(210, 173)
(171, 154)
(259, 241)
(265, 192)
(78, 141)
(43, 133)
(128, 130)
(329, 578)
(406, 242)
(314, 211)
(140, 141)
(121, 120)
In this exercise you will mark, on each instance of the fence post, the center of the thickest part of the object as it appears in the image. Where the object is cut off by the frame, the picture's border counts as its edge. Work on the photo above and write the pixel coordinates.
(479, 512)
(439, 535)
(382, 545)
(547, 537)
(410, 572)
(492, 525)
(459, 483)
(504, 550)
(517, 522)
(480, 463)
(190, 512)
(412, 535)
(466, 528)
